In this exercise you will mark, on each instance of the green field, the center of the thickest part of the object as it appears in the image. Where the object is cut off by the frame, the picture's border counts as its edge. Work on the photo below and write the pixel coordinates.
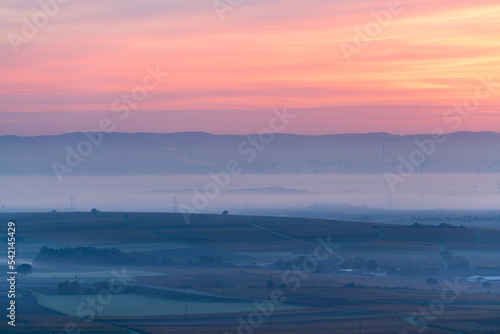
(131, 305)
(256, 256)
(93, 274)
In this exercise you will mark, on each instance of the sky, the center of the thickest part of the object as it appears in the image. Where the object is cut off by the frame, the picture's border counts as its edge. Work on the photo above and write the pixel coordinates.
(340, 66)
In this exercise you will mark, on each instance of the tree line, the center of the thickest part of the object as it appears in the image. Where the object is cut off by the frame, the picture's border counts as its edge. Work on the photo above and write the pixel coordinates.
(99, 256)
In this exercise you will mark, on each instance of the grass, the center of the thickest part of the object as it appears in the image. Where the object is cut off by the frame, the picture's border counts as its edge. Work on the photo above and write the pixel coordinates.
(132, 305)
(322, 304)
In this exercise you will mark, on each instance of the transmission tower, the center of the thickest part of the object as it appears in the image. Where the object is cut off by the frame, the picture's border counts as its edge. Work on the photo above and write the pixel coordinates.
(71, 201)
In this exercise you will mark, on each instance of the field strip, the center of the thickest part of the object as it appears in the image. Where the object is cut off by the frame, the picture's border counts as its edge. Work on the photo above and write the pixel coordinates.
(192, 292)
(92, 274)
(294, 239)
(145, 246)
(31, 241)
(404, 316)
(161, 235)
(279, 234)
(134, 305)
(381, 233)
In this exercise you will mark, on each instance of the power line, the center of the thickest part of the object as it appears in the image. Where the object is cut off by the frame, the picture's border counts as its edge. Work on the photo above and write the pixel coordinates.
(390, 200)
(421, 166)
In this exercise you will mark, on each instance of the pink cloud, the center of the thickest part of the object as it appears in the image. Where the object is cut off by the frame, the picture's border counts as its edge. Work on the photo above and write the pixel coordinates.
(266, 53)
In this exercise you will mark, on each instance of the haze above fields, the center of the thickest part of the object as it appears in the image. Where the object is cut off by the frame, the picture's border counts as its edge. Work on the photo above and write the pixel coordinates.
(159, 172)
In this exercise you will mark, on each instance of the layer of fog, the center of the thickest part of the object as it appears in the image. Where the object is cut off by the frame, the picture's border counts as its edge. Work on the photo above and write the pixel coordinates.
(245, 193)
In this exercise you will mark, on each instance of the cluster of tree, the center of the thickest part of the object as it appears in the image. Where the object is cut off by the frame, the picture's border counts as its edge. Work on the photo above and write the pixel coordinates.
(432, 281)
(102, 285)
(360, 263)
(455, 261)
(270, 283)
(24, 269)
(67, 288)
(447, 219)
(298, 263)
(442, 225)
(413, 270)
(93, 255)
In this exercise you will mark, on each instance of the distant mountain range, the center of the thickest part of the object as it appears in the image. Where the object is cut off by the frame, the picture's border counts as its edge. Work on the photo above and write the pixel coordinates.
(256, 191)
(269, 191)
(202, 153)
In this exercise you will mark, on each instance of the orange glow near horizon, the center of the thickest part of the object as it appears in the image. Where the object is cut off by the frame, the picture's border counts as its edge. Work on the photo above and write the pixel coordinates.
(264, 54)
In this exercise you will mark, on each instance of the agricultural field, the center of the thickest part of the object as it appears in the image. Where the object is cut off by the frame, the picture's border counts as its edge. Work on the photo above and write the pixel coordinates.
(208, 276)
(131, 305)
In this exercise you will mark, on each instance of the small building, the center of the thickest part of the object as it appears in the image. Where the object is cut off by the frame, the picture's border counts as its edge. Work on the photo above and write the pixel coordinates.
(346, 271)
(377, 272)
